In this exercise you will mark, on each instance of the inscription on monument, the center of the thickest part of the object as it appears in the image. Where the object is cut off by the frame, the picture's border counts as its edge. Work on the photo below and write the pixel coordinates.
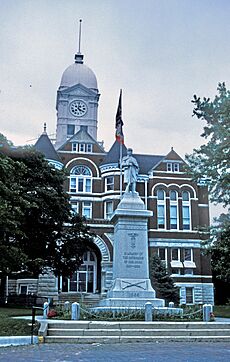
(133, 259)
(133, 239)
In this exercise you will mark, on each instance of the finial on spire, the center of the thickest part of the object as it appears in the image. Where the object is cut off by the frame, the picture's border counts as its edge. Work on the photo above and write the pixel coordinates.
(44, 127)
(79, 56)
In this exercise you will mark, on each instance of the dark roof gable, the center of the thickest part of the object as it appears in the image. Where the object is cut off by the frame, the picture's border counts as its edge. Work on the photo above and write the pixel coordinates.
(45, 146)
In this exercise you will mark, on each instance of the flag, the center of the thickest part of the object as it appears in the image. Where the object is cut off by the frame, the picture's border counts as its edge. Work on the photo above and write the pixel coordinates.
(119, 122)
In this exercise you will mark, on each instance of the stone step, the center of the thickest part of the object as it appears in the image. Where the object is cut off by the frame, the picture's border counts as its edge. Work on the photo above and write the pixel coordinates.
(128, 339)
(135, 325)
(138, 332)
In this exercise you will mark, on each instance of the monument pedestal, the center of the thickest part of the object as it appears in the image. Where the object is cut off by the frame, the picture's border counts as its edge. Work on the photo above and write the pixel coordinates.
(131, 284)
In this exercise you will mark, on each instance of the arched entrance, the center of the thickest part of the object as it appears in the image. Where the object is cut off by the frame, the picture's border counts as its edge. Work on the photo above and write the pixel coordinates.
(84, 280)
(91, 276)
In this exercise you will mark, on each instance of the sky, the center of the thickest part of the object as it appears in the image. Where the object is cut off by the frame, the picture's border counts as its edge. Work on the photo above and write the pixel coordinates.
(160, 52)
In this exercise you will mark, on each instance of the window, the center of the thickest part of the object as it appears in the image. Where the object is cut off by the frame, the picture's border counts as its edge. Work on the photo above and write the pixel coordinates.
(161, 209)
(173, 167)
(176, 271)
(70, 130)
(75, 208)
(173, 195)
(87, 209)
(89, 147)
(108, 209)
(161, 217)
(175, 254)
(188, 271)
(186, 218)
(81, 147)
(109, 183)
(176, 167)
(74, 147)
(188, 254)
(173, 217)
(162, 253)
(189, 295)
(173, 210)
(185, 196)
(23, 289)
(80, 179)
(160, 195)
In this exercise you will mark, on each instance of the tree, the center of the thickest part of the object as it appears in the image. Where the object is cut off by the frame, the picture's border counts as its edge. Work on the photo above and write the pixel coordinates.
(211, 162)
(162, 282)
(34, 212)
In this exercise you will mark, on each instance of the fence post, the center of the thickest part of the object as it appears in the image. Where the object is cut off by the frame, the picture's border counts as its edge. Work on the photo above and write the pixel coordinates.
(75, 315)
(171, 305)
(45, 309)
(207, 310)
(66, 306)
(148, 312)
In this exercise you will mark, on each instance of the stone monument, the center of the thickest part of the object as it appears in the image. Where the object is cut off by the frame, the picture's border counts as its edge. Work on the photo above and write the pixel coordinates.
(131, 284)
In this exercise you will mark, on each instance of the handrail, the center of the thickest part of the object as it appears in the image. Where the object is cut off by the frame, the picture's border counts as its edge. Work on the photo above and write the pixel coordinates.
(34, 308)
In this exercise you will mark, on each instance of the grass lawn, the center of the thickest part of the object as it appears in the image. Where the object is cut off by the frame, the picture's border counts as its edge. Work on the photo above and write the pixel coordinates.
(14, 327)
(222, 311)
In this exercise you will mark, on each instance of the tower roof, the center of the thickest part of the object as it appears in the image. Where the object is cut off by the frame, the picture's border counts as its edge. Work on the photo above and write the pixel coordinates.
(45, 146)
(79, 73)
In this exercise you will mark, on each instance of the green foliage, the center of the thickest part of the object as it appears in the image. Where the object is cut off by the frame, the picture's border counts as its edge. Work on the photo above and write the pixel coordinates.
(4, 141)
(34, 212)
(222, 311)
(15, 327)
(71, 246)
(220, 248)
(211, 160)
(162, 282)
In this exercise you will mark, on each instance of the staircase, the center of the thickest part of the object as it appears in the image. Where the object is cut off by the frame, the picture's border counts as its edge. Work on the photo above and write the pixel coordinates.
(121, 332)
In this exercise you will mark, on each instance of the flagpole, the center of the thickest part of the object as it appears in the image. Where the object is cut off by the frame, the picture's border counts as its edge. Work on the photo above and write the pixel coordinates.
(120, 170)
(119, 135)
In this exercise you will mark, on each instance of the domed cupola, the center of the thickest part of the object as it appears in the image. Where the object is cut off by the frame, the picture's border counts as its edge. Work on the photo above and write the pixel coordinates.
(77, 100)
(79, 73)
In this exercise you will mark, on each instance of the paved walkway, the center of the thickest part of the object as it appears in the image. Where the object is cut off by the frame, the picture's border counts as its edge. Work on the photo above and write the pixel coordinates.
(151, 352)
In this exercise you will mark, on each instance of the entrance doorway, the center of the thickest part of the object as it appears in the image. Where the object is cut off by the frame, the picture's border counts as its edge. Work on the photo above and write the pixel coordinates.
(84, 280)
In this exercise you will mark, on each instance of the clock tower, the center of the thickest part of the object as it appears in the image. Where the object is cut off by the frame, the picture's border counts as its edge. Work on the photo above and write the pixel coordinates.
(77, 101)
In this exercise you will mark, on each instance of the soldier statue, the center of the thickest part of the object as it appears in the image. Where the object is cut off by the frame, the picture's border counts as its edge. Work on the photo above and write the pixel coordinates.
(130, 166)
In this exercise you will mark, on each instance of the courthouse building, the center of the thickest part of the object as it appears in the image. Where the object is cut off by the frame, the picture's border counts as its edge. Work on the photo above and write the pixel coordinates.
(180, 206)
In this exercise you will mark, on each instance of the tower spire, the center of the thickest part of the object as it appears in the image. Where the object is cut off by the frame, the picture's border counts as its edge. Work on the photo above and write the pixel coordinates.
(79, 56)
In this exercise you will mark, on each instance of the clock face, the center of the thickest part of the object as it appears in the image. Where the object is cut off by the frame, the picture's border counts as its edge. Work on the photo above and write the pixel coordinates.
(78, 108)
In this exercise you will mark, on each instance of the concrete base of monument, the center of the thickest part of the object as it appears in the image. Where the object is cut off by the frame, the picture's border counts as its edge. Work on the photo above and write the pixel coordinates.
(131, 293)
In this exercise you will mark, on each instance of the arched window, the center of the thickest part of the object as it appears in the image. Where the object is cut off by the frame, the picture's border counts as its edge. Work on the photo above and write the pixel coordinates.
(173, 209)
(161, 224)
(80, 179)
(186, 210)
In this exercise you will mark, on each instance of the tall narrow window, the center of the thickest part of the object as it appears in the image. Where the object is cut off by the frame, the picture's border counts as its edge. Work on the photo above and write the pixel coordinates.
(108, 209)
(70, 130)
(109, 183)
(186, 211)
(161, 209)
(173, 210)
(175, 254)
(80, 179)
(188, 254)
(189, 295)
(75, 208)
(87, 209)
